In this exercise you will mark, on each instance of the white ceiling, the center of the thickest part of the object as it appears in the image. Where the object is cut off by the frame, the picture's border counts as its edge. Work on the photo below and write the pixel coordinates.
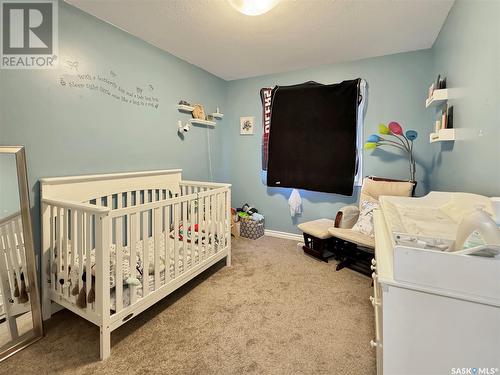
(294, 35)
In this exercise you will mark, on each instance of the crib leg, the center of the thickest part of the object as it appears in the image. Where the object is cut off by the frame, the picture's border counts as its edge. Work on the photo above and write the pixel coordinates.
(14, 334)
(105, 343)
(228, 259)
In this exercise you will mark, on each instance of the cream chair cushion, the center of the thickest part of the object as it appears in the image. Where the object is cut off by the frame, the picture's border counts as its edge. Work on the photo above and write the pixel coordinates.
(353, 236)
(317, 228)
(350, 216)
(372, 189)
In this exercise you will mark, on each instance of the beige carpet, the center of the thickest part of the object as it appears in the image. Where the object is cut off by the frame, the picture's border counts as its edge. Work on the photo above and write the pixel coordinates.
(276, 311)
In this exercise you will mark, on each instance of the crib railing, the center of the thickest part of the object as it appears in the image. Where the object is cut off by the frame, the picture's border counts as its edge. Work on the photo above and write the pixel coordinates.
(184, 228)
(71, 233)
(13, 264)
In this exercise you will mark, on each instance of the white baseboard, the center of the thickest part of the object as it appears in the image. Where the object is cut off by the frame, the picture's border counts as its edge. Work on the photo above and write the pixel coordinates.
(285, 235)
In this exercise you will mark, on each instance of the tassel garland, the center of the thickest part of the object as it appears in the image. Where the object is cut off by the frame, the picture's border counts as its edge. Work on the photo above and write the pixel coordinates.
(16, 286)
(23, 297)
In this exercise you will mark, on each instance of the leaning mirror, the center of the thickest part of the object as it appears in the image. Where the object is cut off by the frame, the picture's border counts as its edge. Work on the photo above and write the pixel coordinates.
(20, 313)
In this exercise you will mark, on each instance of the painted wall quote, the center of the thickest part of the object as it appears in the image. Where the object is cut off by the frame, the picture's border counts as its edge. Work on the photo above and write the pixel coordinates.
(108, 86)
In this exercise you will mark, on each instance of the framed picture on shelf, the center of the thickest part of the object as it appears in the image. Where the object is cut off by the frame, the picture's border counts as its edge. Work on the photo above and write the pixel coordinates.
(247, 125)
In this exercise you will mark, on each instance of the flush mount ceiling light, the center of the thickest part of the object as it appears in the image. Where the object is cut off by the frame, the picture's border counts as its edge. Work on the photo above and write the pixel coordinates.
(253, 7)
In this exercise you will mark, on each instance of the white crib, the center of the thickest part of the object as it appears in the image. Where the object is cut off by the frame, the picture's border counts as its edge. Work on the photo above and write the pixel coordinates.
(14, 294)
(142, 235)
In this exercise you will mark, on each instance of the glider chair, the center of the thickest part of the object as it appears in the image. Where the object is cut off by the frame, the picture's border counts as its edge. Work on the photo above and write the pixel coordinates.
(325, 238)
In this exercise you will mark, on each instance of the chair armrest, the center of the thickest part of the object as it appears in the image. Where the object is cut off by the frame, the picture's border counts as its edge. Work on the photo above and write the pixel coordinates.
(346, 217)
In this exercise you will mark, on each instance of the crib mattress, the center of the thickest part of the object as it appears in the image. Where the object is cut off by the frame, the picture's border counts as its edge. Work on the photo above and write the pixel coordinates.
(127, 277)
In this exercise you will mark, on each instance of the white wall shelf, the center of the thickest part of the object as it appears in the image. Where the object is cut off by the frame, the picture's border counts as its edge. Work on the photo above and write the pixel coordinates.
(438, 97)
(442, 135)
(217, 115)
(201, 122)
(185, 108)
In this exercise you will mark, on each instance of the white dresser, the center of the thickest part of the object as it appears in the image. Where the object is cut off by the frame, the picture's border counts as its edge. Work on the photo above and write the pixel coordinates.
(435, 312)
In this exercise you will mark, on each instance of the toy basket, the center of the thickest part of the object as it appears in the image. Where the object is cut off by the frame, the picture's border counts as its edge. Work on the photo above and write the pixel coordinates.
(252, 229)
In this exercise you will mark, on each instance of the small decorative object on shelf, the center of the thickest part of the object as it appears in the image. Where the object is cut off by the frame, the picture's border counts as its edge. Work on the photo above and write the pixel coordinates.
(199, 112)
(217, 114)
(398, 139)
(184, 106)
(442, 135)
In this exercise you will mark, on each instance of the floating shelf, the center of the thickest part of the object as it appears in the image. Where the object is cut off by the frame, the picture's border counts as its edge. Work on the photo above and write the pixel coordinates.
(438, 97)
(201, 122)
(185, 108)
(442, 135)
(218, 115)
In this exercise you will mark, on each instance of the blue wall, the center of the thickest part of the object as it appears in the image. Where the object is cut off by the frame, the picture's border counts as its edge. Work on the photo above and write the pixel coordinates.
(77, 131)
(467, 51)
(69, 131)
(397, 91)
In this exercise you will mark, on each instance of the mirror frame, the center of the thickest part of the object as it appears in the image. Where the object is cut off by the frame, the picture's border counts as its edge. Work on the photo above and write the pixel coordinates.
(22, 180)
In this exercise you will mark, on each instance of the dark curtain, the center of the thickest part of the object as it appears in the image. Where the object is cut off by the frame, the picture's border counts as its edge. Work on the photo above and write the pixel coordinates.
(312, 137)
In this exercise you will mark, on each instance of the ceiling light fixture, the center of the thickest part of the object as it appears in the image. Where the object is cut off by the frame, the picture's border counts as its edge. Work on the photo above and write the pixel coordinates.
(253, 7)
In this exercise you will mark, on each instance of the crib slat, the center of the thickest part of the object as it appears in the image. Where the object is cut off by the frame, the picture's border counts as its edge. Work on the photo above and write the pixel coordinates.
(176, 214)
(119, 264)
(81, 241)
(205, 228)
(133, 255)
(212, 223)
(192, 220)
(74, 241)
(53, 278)
(12, 259)
(7, 277)
(20, 248)
(208, 225)
(59, 247)
(167, 241)
(217, 222)
(185, 224)
(65, 249)
(88, 250)
(156, 237)
(199, 236)
(145, 253)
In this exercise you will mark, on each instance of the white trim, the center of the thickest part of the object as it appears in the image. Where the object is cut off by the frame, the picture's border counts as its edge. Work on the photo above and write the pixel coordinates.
(285, 235)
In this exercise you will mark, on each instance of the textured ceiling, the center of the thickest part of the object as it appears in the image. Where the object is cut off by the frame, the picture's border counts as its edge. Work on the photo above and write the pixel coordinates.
(295, 34)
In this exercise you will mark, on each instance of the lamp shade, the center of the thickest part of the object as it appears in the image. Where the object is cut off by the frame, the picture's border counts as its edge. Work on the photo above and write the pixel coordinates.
(411, 135)
(370, 145)
(373, 138)
(382, 129)
(395, 128)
